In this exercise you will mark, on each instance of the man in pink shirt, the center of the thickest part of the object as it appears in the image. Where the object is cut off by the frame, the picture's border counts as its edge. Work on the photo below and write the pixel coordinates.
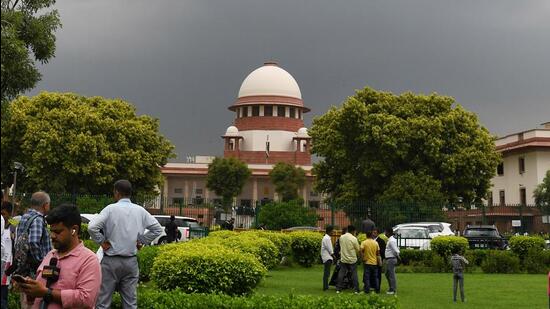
(79, 270)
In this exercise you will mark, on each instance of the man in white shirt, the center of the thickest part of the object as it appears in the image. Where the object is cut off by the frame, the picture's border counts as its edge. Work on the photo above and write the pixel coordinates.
(327, 255)
(392, 256)
(123, 226)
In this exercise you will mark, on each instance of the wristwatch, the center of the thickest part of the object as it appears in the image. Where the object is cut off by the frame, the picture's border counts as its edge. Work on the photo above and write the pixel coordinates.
(48, 297)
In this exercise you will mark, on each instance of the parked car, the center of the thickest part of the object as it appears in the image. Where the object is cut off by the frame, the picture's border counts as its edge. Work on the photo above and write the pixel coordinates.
(434, 228)
(86, 218)
(484, 237)
(416, 237)
(185, 225)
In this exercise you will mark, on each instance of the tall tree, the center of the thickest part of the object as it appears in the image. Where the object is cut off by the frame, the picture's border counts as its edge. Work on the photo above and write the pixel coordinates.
(542, 193)
(27, 35)
(71, 143)
(227, 177)
(376, 135)
(287, 180)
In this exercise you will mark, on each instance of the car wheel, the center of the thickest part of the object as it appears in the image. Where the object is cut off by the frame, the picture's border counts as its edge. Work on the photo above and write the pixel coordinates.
(162, 241)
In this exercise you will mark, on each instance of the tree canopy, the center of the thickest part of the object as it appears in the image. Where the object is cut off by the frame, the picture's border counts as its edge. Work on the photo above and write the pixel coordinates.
(27, 35)
(72, 143)
(375, 136)
(542, 193)
(287, 180)
(227, 177)
(282, 215)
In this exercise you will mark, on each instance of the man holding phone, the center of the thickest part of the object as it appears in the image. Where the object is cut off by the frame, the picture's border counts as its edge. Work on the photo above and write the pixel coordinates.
(74, 279)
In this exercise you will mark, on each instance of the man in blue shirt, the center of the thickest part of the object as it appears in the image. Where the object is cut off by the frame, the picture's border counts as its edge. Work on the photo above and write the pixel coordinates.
(120, 230)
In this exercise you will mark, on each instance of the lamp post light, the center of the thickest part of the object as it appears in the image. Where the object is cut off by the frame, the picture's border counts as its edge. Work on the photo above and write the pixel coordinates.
(17, 166)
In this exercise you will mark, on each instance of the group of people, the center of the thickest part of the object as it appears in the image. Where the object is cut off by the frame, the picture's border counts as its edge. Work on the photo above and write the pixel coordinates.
(376, 250)
(70, 275)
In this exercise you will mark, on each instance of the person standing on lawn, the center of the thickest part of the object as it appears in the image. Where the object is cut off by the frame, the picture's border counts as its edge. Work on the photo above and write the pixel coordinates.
(123, 224)
(349, 250)
(327, 255)
(392, 257)
(381, 240)
(459, 263)
(171, 230)
(370, 252)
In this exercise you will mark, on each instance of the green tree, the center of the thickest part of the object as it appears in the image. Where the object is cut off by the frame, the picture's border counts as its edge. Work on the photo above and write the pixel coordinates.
(227, 177)
(287, 180)
(282, 215)
(375, 135)
(27, 32)
(72, 143)
(542, 193)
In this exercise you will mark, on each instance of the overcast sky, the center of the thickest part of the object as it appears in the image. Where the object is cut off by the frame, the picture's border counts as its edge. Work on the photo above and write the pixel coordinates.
(183, 61)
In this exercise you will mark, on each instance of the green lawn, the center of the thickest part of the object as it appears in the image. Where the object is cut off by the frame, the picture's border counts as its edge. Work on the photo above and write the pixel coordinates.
(425, 290)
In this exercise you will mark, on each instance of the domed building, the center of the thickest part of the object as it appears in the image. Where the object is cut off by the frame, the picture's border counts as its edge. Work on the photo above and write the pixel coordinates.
(268, 128)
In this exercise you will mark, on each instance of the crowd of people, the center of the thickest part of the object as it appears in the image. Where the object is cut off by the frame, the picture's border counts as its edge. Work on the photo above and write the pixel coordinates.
(70, 275)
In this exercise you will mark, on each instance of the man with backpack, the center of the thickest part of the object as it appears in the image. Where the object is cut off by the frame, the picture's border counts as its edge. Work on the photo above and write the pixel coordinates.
(33, 240)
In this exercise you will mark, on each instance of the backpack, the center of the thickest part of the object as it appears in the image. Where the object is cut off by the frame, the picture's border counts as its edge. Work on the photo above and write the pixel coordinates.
(24, 263)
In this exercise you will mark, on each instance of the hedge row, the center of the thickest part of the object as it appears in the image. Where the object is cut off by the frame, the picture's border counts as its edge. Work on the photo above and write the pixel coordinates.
(179, 299)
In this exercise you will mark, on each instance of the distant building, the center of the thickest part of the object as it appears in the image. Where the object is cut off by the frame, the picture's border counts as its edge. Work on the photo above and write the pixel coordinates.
(268, 128)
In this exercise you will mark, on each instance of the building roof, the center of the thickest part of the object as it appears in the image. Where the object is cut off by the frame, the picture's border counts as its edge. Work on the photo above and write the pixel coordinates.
(270, 80)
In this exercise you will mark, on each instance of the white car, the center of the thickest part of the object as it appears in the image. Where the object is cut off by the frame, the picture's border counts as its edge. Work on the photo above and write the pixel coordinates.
(434, 228)
(183, 223)
(416, 237)
(86, 218)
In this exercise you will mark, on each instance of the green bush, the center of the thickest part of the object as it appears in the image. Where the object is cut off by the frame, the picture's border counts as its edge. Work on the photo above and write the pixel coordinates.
(84, 231)
(90, 244)
(179, 299)
(92, 204)
(262, 248)
(281, 240)
(440, 264)
(537, 261)
(476, 257)
(520, 245)
(146, 256)
(416, 257)
(445, 245)
(306, 247)
(500, 262)
(222, 234)
(276, 216)
(201, 267)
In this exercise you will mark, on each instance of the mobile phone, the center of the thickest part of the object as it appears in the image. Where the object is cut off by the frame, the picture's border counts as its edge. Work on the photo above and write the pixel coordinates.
(19, 278)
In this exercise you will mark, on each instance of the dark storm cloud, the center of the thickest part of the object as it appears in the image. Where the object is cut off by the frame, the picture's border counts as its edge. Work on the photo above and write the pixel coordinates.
(184, 61)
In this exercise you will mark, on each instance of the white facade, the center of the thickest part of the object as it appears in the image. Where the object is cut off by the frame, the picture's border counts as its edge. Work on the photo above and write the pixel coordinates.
(255, 140)
(526, 158)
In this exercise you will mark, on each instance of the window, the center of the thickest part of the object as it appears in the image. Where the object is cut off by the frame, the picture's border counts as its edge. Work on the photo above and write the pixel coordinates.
(502, 198)
(490, 198)
(500, 169)
(231, 145)
(299, 114)
(280, 111)
(314, 204)
(177, 201)
(268, 110)
(292, 112)
(178, 190)
(255, 111)
(522, 196)
(245, 111)
(198, 191)
(521, 162)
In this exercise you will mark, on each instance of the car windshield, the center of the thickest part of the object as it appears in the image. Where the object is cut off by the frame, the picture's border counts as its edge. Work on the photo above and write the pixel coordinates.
(412, 233)
(435, 228)
(481, 232)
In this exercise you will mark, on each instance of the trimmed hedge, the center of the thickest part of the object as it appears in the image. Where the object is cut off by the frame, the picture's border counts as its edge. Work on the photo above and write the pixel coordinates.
(200, 267)
(306, 247)
(146, 257)
(222, 234)
(537, 261)
(281, 240)
(262, 248)
(84, 231)
(179, 299)
(520, 245)
(90, 244)
(445, 245)
(500, 262)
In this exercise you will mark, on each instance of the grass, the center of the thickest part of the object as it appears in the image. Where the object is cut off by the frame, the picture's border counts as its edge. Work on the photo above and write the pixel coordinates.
(425, 290)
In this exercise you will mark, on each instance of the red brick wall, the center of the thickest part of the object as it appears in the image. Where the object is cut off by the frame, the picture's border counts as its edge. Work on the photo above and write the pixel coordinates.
(269, 123)
(258, 157)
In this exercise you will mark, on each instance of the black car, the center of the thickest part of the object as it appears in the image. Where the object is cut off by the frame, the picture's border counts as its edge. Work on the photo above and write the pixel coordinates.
(484, 237)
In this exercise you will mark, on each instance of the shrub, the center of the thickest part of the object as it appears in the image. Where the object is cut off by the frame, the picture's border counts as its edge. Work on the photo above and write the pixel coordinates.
(306, 247)
(262, 248)
(476, 257)
(445, 245)
(146, 256)
(206, 268)
(416, 257)
(178, 299)
(90, 244)
(520, 245)
(276, 216)
(537, 261)
(222, 234)
(440, 264)
(84, 231)
(281, 240)
(500, 262)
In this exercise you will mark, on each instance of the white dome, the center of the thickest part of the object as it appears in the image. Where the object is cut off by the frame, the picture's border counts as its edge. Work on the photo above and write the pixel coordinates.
(302, 132)
(232, 131)
(270, 79)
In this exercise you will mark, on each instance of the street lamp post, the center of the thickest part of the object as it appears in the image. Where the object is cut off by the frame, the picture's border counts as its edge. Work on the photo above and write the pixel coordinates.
(17, 166)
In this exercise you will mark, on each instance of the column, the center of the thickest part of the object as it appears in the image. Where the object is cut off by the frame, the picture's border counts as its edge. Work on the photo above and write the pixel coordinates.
(255, 190)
